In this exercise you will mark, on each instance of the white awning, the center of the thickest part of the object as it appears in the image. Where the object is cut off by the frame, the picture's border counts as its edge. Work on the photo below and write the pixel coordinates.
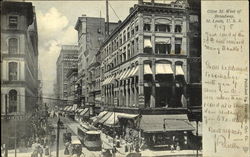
(126, 74)
(147, 43)
(147, 69)
(163, 40)
(123, 73)
(118, 75)
(110, 79)
(179, 70)
(133, 71)
(104, 82)
(163, 69)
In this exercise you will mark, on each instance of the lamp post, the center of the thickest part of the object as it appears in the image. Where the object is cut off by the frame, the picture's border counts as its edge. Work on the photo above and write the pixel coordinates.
(58, 134)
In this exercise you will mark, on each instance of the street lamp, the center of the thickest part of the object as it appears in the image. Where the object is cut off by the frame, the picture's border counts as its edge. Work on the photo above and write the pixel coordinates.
(59, 123)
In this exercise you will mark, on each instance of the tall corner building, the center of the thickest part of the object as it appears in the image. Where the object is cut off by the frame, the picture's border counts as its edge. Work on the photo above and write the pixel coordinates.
(19, 68)
(150, 68)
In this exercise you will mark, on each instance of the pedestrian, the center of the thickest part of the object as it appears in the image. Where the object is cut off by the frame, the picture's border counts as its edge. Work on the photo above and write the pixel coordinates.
(46, 152)
(40, 151)
(172, 148)
(66, 151)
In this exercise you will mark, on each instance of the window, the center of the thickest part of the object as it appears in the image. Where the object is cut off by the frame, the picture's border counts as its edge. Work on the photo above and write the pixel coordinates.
(132, 32)
(128, 52)
(178, 45)
(136, 28)
(162, 28)
(147, 45)
(13, 46)
(13, 22)
(12, 71)
(12, 101)
(178, 29)
(146, 27)
(160, 48)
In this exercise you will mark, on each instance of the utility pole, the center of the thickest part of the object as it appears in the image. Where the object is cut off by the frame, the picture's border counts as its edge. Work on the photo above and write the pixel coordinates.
(6, 145)
(197, 153)
(58, 134)
(107, 17)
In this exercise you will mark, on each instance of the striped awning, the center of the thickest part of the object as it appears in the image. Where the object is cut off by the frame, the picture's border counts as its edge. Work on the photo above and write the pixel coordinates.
(134, 71)
(85, 112)
(126, 74)
(123, 74)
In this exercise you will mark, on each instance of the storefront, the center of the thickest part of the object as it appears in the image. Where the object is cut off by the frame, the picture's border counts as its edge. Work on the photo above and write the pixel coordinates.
(166, 130)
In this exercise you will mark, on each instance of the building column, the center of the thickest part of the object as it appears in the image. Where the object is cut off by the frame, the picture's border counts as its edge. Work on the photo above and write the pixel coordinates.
(153, 33)
(152, 96)
(127, 92)
(173, 37)
(140, 31)
(131, 92)
(141, 97)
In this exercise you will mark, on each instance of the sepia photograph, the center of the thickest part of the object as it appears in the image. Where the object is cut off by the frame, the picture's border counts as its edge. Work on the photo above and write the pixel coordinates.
(109, 78)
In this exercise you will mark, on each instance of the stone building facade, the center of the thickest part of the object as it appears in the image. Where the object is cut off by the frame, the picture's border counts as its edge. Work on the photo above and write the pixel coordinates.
(19, 67)
(71, 86)
(66, 61)
(144, 61)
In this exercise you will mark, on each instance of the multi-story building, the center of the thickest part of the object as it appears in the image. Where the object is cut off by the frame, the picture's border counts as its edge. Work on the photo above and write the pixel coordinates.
(19, 69)
(71, 86)
(144, 70)
(91, 33)
(66, 61)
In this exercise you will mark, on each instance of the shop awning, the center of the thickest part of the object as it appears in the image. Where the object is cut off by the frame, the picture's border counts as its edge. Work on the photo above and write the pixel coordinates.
(119, 75)
(110, 79)
(127, 116)
(147, 43)
(79, 110)
(102, 114)
(133, 71)
(147, 69)
(126, 74)
(65, 108)
(123, 74)
(163, 69)
(114, 118)
(179, 70)
(173, 122)
(104, 118)
(85, 112)
(163, 40)
(69, 108)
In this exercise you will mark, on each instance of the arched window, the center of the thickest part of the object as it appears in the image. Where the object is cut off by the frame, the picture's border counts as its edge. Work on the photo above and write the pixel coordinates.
(12, 71)
(12, 101)
(13, 45)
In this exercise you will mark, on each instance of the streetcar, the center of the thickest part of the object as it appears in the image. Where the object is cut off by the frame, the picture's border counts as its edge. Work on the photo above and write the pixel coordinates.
(90, 137)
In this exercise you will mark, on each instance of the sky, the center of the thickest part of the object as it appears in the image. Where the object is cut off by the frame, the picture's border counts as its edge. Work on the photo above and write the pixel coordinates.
(56, 21)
